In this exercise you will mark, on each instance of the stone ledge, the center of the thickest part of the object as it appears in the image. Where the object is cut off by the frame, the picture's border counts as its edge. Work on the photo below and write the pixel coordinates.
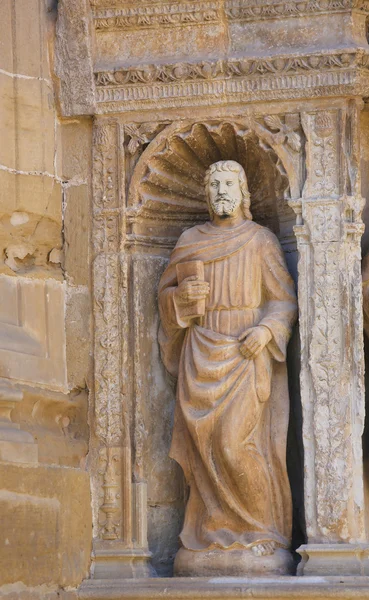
(263, 588)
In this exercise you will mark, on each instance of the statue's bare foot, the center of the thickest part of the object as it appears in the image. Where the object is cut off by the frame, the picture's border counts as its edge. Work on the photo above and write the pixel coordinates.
(264, 549)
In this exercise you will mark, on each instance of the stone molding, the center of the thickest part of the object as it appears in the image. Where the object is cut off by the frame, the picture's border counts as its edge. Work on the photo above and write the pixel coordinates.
(240, 10)
(227, 588)
(171, 14)
(232, 80)
(117, 14)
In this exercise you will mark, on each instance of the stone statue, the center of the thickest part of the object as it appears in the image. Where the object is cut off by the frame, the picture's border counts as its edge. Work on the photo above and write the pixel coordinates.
(227, 307)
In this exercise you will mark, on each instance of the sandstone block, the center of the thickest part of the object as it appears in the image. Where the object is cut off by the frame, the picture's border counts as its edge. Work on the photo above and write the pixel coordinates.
(78, 336)
(32, 347)
(35, 125)
(7, 191)
(46, 525)
(75, 149)
(76, 234)
(7, 121)
(6, 52)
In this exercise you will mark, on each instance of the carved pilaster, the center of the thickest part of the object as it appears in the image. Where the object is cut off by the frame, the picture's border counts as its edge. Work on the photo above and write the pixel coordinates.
(118, 551)
(328, 231)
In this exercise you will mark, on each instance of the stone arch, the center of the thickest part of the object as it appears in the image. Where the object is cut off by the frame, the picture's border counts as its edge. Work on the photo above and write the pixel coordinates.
(168, 179)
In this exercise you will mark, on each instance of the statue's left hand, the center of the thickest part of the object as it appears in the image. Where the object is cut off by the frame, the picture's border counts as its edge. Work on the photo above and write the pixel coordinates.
(254, 341)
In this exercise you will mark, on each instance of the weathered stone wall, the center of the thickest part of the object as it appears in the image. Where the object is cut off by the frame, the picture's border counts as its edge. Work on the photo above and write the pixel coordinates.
(45, 316)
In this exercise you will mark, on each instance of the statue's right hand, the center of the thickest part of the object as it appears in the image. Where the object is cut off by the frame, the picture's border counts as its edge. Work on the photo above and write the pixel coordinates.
(190, 290)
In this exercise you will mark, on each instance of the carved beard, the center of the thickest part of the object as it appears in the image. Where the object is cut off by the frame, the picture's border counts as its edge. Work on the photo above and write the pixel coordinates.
(224, 206)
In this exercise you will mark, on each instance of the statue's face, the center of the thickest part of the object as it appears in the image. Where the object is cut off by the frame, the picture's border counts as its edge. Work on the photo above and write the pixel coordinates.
(225, 193)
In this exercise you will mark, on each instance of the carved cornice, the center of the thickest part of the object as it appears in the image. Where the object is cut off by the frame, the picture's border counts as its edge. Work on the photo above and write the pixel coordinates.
(145, 16)
(189, 84)
(110, 15)
(244, 10)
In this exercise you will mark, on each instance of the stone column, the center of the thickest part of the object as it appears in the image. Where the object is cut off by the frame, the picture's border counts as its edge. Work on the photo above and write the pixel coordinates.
(328, 230)
(120, 546)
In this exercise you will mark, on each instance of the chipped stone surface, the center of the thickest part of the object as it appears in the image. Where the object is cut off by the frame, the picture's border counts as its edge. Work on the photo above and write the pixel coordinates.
(73, 60)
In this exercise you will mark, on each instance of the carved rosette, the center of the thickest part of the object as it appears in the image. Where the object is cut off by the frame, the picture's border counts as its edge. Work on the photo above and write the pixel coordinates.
(328, 230)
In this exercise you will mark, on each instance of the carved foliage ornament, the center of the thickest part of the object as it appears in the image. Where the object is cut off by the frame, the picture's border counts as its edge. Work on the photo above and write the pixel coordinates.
(332, 405)
(139, 135)
(106, 218)
(143, 17)
(109, 470)
(241, 10)
(230, 69)
(115, 14)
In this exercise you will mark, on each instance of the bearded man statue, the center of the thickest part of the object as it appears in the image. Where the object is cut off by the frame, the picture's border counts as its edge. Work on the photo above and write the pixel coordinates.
(227, 306)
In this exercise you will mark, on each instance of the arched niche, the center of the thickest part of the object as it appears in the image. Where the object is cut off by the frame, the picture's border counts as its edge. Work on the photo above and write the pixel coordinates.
(167, 192)
(166, 195)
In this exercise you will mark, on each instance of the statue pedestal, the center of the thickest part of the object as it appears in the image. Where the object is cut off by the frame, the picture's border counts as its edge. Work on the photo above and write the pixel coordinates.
(232, 563)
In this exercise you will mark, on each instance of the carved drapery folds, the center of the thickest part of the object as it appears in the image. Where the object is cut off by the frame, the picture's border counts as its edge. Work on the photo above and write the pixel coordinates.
(328, 230)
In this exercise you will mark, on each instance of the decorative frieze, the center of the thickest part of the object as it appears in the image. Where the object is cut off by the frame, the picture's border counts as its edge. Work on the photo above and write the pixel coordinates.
(117, 15)
(184, 84)
(231, 69)
(243, 10)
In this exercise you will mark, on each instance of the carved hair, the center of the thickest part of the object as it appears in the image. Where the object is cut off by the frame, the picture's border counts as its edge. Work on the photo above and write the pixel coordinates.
(233, 167)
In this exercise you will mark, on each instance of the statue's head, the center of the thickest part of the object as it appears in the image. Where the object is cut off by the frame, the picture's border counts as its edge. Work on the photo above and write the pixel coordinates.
(226, 189)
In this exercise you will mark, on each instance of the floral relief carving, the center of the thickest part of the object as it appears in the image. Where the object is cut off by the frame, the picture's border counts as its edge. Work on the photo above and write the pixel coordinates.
(241, 10)
(328, 234)
(330, 410)
(225, 68)
(184, 84)
(115, 15)
(286, 131)
(323, 155)
(110, 471)
(139, 135)
(106, 218)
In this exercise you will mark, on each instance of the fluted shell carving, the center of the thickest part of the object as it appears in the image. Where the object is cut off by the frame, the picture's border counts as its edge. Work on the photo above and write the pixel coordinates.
(172, 169)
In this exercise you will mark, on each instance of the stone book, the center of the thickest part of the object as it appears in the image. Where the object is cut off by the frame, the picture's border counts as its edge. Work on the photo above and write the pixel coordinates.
(191, 268)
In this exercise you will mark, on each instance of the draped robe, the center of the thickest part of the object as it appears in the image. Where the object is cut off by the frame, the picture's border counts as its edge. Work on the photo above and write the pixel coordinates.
(231, 413)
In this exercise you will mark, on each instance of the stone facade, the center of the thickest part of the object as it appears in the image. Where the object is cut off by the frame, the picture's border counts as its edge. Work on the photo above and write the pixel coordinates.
(110, 113)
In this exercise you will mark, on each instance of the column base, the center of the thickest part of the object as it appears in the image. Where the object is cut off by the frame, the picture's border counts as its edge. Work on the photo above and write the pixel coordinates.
(334, 559)
(113, 560)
